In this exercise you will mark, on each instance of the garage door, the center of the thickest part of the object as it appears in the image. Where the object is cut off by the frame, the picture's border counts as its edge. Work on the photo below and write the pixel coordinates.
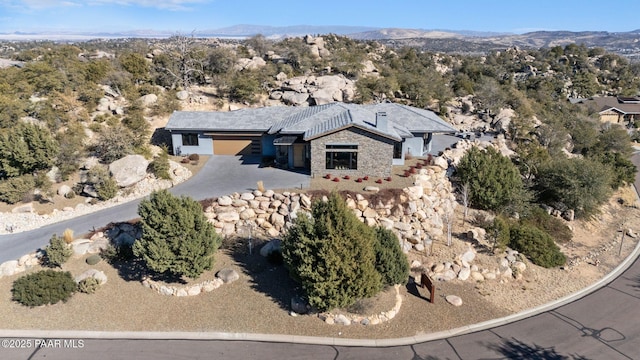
(236, 145)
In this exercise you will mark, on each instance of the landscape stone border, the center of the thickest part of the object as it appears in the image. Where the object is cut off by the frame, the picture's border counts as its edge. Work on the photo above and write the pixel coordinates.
(375, 319)
(224, 276)
(189, 290)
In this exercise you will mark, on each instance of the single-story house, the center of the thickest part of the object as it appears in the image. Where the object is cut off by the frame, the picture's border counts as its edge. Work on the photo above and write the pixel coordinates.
(613, 109)
(336, 138)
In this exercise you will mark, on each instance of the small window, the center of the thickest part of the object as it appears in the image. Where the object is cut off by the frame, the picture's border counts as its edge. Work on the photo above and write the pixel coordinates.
(397, 150)
(190, 139)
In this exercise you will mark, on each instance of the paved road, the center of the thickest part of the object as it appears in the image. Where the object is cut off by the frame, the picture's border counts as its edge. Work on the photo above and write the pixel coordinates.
(221, 175)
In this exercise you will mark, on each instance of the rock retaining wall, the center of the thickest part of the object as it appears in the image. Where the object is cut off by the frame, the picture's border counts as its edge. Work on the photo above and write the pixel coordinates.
(416, 216)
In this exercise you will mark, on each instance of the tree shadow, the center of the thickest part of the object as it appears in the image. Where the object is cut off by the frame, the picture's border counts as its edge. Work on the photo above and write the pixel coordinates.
(266, 277)
(120, 256)
(516, 349)
(412, 288)
(637, 283)
(161, 136)
(130, 268)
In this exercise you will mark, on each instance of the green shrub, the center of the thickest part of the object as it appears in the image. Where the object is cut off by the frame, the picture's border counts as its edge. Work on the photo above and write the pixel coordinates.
(332, 255)
(176, 237)
(43, 287)
(537, 245)
(105, 186)
(624, 171)
(160, 165)
(391, 263)
(57, 252)
(553, 226)
(117, 253)
(494, 181)
(14, 189)
(581, 184)
(93, 259)
(499, 232)
(88, 285)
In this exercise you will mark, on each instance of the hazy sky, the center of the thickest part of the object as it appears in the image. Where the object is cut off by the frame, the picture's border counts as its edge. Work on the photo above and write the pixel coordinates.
(515, 16)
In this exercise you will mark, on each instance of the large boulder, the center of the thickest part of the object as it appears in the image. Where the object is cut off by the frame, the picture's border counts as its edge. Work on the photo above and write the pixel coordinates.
(323, 96)
(228, 275)
(148, 100)
(129, 170)
(64, 190)
(8, 268)
(270, 247)
(182, 95)
(96, 274)
(295, 98)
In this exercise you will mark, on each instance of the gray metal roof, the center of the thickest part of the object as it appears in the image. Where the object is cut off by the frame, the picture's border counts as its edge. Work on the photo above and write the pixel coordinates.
(346, 119)
(314, 121)
(250, 119)
(414, 119)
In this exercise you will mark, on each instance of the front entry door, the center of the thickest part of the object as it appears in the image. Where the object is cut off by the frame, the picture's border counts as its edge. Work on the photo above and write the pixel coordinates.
(298, 155)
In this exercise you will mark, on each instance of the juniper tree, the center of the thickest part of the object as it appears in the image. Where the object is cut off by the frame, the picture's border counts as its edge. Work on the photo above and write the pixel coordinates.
(176, 238)
(43, 287)
(26, 148)
(494, 181)
(332, 255)
(160, 165)
(391, 263)
(57, 252)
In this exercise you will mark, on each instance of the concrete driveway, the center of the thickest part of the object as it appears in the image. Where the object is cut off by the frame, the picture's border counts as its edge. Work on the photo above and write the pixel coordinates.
(225, 174)
(221, 175)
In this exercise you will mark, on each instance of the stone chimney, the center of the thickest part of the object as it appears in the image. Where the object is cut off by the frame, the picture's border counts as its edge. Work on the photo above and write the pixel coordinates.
(381, 120)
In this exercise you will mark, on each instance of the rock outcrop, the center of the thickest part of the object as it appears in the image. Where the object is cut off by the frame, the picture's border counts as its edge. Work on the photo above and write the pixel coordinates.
(129, 170)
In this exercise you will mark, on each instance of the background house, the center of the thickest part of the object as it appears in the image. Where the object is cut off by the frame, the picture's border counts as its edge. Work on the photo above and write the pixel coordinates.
(613, 109)
(336, 138)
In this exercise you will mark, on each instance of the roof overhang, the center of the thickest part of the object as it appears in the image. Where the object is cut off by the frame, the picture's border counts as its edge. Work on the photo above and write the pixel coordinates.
(285, 140)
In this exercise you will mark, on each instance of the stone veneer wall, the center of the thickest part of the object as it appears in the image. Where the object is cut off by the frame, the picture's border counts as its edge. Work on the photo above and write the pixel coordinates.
(375, 153)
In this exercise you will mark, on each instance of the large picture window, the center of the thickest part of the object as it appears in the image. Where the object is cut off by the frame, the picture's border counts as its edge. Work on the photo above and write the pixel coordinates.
(190, 139)
(342, 157)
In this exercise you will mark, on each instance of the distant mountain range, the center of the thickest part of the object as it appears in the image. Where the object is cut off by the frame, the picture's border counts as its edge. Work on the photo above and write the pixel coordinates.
(465, 41)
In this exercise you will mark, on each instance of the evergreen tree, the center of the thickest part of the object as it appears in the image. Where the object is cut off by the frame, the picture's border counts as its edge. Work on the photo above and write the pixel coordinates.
(494, 181)
(332, 255)
(58, 251)
(104, 184)
(176, 236)
(581, 184)
(391, 263)
(26, 148)
(160, 165)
